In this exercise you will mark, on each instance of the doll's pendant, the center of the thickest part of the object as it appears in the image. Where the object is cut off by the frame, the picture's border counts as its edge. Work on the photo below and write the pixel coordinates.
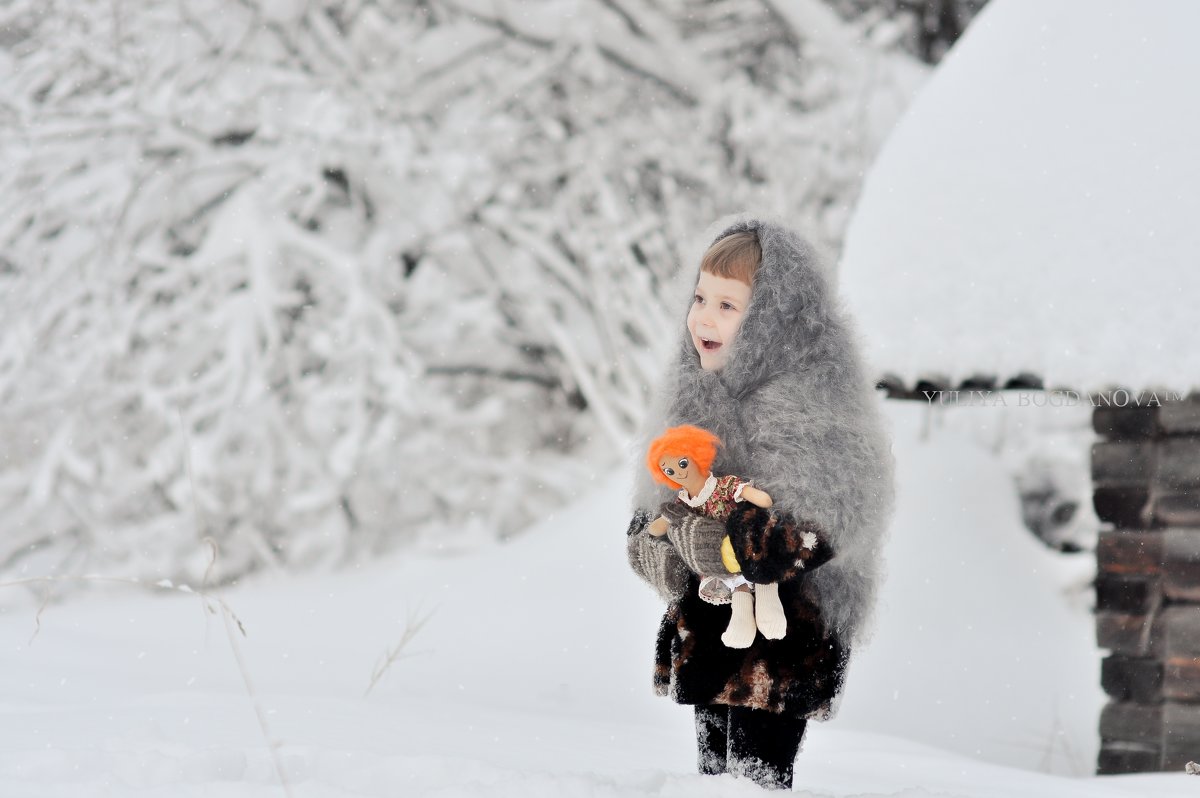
(727, 557)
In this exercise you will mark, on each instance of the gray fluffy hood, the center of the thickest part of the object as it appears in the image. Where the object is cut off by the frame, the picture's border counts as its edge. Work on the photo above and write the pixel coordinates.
(796, 413)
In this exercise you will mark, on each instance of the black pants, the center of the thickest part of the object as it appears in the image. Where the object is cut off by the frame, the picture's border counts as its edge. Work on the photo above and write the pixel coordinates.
(754, 743)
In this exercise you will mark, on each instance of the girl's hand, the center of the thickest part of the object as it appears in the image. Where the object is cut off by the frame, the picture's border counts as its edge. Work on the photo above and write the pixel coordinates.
(655, 561)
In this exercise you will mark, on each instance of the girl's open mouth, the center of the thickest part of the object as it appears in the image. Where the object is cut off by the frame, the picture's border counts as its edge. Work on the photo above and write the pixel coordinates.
(710, 346)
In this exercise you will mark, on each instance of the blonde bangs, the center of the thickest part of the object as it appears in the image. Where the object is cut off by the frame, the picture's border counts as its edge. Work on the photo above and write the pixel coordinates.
(736, 256)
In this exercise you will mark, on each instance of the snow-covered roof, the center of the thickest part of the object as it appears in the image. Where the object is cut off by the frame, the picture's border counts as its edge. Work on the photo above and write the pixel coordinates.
(1037, 210)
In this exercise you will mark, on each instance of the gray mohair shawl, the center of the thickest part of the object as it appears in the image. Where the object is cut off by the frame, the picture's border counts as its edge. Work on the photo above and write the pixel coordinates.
(796, 414)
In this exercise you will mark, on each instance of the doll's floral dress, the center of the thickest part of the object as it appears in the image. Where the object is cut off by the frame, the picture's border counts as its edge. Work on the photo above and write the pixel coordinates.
(716, 500)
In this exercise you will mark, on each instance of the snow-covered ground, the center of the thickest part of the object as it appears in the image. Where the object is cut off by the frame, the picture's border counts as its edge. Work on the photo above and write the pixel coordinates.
(532, 675)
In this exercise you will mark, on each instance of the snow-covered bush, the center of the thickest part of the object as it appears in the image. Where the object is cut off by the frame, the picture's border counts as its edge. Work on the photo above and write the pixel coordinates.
(315, 278)
(925, 28)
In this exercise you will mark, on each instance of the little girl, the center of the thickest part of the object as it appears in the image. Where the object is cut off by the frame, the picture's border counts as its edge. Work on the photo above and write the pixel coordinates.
(767, 361)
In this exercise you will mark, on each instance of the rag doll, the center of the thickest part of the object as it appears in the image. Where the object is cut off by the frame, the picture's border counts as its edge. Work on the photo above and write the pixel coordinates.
(682, 457)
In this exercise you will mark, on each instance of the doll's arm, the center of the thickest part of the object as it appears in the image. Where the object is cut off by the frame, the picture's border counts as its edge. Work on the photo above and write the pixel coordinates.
(755, 496)
(658, 527)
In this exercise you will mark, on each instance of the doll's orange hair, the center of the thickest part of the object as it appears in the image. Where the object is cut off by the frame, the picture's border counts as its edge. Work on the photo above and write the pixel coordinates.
(698, 445)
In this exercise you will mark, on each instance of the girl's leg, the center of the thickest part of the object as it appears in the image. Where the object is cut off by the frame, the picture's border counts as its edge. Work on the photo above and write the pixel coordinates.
(741, 630)
(763, 746)
(712, 738)
(768, 612)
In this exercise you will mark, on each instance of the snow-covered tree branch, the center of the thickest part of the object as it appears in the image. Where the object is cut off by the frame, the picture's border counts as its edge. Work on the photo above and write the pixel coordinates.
(386, 272)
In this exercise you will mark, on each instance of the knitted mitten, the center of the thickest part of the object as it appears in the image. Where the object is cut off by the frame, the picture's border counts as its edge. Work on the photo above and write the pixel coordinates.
(741, 630)
(697, 538)
(768, 612)
(655, 560)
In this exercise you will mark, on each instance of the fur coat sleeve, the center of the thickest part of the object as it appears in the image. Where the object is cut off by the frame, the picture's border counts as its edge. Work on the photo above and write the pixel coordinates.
(771, 547)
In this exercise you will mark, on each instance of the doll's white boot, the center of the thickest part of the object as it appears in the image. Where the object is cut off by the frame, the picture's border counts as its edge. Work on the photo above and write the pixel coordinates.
(741, 630)
(768, 612)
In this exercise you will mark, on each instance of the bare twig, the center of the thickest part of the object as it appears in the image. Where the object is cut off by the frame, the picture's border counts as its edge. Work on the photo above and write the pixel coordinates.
(411, 628)
(37, 618)
(228, 615)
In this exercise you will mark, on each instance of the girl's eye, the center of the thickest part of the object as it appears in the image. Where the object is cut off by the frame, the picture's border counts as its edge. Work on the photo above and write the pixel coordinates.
(683, 463)
(727, 305)
(697, 298)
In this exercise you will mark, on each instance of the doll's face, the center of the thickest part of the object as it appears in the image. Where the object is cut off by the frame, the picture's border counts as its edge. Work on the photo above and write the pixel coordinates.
(677, 467)
(716, 315)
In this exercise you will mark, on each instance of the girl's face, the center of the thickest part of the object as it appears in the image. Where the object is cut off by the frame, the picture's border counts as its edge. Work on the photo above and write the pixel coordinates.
(717, 310)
